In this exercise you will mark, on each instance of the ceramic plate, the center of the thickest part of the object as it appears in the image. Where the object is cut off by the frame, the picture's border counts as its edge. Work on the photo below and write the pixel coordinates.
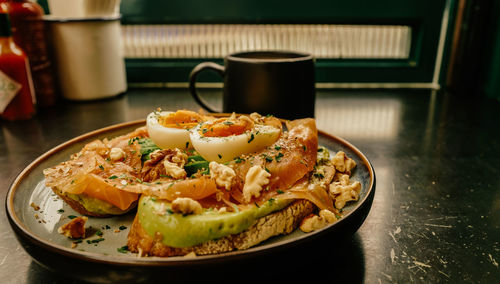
(36, 213)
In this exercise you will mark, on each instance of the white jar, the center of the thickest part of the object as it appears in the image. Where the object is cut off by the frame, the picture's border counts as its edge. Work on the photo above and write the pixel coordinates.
(89, 57)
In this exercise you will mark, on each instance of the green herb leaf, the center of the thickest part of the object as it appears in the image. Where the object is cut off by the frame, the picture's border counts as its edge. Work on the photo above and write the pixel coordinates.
(278, 157)
(95, 241)
(147, 147)
(251, 138)
(318, 175)
(123, 249)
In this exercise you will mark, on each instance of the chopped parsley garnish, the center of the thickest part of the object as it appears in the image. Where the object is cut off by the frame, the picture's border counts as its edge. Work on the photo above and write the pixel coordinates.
(279, 191)
(256, 204)
(72, 216)
(60, 211)
(278, 157)
(238, 160)
(113, 177)
(269, 159)
(251, 138)
(101, 167)
(123, 249)
(219, 155)
(122, 228)
(132, 140)
(95, 241)
(99, 233)
(277, 147)
(227, 122)
(318, 175)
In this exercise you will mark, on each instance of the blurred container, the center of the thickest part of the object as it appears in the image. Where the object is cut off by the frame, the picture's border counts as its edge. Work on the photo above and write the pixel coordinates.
(101, 8)
(29, 33)
(66, 8)
(17, 98)
(83, 8)
(89, 57)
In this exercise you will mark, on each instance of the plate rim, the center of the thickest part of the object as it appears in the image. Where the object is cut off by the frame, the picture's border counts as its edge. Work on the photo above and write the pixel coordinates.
(20, 228)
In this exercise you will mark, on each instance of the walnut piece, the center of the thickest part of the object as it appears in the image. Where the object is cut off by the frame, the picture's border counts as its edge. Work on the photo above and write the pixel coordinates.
(116, 154)
(222, 174)
(186, 205)
(255, 179)
(343, 163)
(344, 190)
(315, 222)
(162, 163)
(173, 170)
(75, 229)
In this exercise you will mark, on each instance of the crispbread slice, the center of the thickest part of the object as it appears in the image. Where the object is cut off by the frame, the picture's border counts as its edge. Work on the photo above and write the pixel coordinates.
(276, 223)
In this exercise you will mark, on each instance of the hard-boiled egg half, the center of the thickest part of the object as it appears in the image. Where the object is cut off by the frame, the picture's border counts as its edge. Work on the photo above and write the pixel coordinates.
(224, 139)
(170, 130)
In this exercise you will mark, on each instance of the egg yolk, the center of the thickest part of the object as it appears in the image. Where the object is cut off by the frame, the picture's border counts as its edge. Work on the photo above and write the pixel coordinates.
(183, 119)
(225, 127)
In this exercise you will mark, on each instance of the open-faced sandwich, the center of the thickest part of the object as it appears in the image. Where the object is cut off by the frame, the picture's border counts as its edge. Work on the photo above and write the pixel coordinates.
(207, 185)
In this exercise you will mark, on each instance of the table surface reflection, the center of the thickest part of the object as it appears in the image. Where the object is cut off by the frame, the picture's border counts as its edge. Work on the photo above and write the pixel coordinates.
(436, 212)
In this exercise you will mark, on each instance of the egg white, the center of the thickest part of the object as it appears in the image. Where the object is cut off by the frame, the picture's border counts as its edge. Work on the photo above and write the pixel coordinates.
(224, 149)
(166, 137)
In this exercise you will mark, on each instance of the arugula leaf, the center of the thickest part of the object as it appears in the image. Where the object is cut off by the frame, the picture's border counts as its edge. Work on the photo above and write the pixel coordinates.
(147, 147)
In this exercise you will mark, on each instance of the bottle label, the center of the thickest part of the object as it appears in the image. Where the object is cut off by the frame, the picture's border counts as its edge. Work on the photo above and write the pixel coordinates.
(8, 90)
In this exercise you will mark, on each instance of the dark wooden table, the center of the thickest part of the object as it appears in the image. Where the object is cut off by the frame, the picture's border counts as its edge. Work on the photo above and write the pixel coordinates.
(436, 212)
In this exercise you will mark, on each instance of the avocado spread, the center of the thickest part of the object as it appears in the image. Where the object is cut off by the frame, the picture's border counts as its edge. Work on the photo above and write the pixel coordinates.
(95, 205)
(180, 230)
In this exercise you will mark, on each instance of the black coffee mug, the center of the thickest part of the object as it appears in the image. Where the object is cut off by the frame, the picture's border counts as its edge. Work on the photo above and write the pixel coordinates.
(268, 82)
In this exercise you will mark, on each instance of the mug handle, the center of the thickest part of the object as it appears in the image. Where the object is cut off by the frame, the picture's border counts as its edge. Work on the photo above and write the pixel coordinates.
(219, 69)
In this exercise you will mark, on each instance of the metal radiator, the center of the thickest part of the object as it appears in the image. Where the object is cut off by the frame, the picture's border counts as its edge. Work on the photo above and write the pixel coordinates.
(216, 41)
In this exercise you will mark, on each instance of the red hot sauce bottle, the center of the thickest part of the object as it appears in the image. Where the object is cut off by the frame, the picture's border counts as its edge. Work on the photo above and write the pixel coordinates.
(29, 33)
(17, 98)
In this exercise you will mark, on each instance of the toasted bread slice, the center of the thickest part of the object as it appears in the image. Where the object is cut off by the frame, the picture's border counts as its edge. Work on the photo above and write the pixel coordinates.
(276, 223)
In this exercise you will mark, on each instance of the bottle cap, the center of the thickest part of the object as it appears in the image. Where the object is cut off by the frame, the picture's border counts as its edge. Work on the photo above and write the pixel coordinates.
(5, 30)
